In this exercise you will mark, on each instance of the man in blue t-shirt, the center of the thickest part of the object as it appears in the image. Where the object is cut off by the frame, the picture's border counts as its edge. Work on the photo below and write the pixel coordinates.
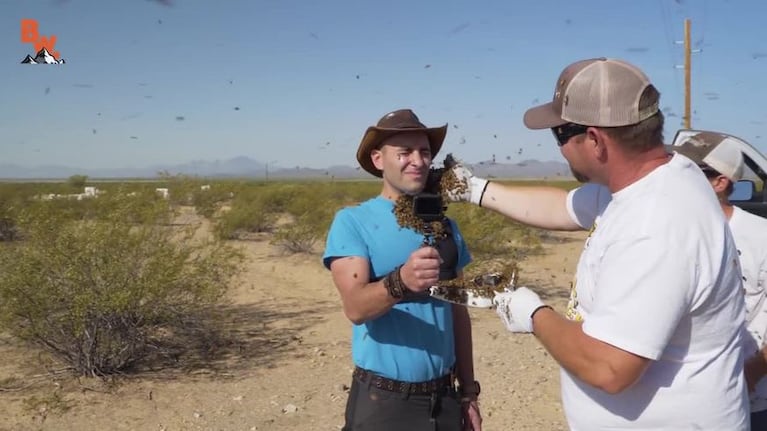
(407, 347)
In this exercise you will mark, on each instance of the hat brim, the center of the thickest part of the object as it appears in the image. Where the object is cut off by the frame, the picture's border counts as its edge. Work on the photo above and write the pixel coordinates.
(543, 117)
(375, 135)
(691, 152)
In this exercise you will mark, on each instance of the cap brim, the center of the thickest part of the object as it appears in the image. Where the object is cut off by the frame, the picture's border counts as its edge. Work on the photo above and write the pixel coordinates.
(689, 151)
(543, 117)
(671, 149)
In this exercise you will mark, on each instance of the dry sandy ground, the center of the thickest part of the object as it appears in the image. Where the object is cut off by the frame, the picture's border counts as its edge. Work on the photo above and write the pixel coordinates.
(289, 364)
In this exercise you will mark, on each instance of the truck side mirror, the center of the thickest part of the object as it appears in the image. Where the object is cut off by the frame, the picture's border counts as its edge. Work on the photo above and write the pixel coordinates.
(743, 191)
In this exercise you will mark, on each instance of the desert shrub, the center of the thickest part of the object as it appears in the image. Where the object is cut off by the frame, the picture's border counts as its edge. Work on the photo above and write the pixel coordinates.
(299, 236)
(207, 202)
(277, 197)
(359, 191)
(77, 181)
(186, 190)
(250, 212)
(303, 232)
(9, 206)
(8, 229)
(138, 207)
(311, 212)
(103, 293)
(490, 235)
(180, 187)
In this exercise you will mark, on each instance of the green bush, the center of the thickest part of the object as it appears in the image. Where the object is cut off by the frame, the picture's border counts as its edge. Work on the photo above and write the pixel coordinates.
(250, 212)
(77, 181)
(208, 202)
(9, 206)
(135, 207)
(311, 210)
(104, 293)
(490, 235)
(277, 197)
(301, 235)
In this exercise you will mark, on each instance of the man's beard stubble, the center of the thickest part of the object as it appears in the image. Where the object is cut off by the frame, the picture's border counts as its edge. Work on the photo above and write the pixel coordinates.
(581, 178)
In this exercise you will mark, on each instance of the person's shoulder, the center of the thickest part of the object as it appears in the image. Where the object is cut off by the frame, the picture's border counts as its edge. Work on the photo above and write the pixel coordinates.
(358, 208)
(680, 188)
(358, 213)
(750, 221)
(750, 232)
(591, 193)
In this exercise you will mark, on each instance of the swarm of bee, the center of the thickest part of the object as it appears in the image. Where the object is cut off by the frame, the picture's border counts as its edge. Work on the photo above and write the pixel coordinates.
(440, 180)
(477, 290)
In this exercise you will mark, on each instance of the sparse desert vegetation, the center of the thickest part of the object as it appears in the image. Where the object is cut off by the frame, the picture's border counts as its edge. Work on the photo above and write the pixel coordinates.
(215, 286)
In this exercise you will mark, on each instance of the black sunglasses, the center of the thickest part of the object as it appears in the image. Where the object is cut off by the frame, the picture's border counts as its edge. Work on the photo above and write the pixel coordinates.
(709, 172)
(566, 131)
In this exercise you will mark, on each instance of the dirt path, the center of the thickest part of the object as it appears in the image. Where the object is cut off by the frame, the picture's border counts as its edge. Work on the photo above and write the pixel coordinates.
(289, 364)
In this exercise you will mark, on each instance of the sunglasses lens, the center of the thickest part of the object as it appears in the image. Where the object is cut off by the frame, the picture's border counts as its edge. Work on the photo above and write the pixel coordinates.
(566, 131)
(557, 136)
(709, 172)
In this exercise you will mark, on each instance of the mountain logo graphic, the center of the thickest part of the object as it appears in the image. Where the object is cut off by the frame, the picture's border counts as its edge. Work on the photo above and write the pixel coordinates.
(45, 46)
(42, 57)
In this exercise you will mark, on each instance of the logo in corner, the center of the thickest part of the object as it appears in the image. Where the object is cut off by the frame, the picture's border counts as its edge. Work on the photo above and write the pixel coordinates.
(44, 46)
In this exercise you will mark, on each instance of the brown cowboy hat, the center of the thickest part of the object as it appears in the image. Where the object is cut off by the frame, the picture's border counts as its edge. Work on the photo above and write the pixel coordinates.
(399, 121)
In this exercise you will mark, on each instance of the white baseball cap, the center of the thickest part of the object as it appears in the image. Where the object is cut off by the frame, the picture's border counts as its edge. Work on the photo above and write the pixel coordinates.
(717, 151)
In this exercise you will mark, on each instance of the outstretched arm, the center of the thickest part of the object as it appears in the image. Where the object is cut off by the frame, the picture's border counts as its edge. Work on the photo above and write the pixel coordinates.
(540, 206)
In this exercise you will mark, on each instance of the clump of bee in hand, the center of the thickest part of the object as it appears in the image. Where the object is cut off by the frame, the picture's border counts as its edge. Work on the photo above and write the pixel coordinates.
(425, 214)
(440, 180)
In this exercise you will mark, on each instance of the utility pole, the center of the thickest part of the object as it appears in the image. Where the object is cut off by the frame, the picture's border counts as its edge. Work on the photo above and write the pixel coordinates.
(688, 51)
(687, 77)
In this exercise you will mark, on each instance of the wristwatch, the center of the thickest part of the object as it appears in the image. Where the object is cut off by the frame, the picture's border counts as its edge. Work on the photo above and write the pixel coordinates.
(470, 389)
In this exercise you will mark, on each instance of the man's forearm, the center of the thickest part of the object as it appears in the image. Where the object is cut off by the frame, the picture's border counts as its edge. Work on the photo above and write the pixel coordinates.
(541, 207)
(594, 362)
(368, 303)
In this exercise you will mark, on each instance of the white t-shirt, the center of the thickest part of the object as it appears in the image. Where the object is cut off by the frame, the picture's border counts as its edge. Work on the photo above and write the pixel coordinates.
(659, 277)
(750, 233)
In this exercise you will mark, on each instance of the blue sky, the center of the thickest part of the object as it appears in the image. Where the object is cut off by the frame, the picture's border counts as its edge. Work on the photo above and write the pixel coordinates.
(309, 76)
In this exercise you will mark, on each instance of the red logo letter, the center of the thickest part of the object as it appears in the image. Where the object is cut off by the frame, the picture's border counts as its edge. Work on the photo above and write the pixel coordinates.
(29, 32)
(43, 42)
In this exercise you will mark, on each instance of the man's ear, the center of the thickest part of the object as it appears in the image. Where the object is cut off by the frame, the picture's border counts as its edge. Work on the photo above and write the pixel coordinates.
(595, 139)
(720, 183)
(376, 156)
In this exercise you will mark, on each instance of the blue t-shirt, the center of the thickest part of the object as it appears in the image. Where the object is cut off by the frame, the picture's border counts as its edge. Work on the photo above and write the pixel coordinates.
(413, 341)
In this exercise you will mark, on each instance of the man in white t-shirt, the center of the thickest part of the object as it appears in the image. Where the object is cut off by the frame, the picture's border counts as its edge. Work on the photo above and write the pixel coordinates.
(652, 335)
(721, 160)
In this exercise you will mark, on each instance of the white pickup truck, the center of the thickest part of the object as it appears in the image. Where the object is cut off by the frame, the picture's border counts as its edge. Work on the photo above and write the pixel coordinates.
(749, 192)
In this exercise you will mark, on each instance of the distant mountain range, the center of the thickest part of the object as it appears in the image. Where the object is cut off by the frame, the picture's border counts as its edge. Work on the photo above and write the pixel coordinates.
(246, 167)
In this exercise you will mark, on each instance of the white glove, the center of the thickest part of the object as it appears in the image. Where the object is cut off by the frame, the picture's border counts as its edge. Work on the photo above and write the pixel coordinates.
(467, 187)
(516, 307)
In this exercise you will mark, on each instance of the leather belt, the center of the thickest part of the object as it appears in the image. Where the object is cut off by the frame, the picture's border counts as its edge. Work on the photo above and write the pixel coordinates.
(414, 388)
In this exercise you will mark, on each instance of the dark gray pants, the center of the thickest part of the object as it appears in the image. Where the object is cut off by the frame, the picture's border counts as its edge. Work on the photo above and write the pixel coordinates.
(759, 421)
(370, 408)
